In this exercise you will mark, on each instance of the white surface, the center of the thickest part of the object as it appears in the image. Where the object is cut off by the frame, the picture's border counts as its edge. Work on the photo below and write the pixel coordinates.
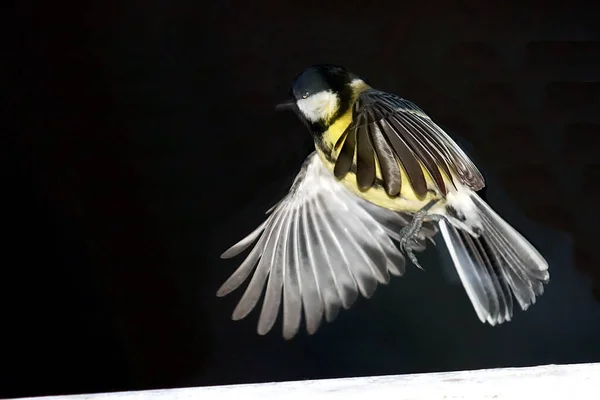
(571, 382)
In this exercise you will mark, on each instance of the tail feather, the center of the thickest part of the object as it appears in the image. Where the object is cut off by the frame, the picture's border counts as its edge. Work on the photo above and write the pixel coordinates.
(495, 266)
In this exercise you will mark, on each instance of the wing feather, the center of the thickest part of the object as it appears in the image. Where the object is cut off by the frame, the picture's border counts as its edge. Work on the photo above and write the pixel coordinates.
(311, 295)
(365, 158)
(254, 290)
(424, 149)
(405, 155)
(345, 282)
(292, 298)
(418, 144)
(390, 170)
(272, 300)
(318, 249)
(346, 156)
(324, 278)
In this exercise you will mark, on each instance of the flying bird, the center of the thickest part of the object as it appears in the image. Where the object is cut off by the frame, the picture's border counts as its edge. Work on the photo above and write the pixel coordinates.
(384, 179)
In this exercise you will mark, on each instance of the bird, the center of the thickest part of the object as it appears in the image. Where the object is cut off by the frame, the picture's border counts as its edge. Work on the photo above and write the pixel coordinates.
(383, 180)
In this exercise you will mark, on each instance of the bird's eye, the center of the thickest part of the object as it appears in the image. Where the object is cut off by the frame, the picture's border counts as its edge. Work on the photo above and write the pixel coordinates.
(305, 94)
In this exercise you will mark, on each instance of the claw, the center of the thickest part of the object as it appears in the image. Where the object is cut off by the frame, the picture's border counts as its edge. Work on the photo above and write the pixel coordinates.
(410, 234)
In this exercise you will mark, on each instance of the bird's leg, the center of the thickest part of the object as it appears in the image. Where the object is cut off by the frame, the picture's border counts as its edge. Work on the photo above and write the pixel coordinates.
(410, 233)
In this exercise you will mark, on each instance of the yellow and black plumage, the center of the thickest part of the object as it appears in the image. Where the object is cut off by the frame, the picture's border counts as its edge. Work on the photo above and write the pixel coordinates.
(383, 174)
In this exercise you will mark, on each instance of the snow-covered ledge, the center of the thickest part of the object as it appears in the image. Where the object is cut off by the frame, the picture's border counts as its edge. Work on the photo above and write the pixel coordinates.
(548, 382)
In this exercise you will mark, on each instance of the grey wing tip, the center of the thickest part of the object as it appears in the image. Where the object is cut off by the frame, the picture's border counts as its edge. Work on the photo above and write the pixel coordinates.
(238, 315)
(262, 331)
(494, 321)
(226, 288)
(229, 253)
(500, 318)
(222, 292)
(289, 335)
(313, 328)
(241, 311)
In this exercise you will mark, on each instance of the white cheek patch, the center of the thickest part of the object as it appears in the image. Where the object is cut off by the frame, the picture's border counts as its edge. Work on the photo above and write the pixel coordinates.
(319, 106)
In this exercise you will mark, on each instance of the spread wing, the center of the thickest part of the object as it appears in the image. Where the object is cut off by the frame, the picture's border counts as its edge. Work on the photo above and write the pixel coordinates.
(319, 247)
(393, 132)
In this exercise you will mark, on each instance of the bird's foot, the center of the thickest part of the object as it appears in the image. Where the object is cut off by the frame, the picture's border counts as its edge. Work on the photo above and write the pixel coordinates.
(410, 234)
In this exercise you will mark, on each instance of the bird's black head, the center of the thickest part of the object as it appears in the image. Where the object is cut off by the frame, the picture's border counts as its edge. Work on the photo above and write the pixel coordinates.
(320, 78)
(321, 93)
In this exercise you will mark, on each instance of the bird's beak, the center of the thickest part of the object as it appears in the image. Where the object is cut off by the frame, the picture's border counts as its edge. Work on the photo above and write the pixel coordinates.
(288, 105)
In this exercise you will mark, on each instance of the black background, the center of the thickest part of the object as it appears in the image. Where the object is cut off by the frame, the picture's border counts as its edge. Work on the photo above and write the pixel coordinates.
(147, 143)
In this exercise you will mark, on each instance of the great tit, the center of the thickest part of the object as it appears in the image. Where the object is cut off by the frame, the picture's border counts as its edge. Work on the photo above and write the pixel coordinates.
(384, 179)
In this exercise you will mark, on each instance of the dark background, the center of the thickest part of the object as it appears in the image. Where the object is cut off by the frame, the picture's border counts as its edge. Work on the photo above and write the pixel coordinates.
(147, 143)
